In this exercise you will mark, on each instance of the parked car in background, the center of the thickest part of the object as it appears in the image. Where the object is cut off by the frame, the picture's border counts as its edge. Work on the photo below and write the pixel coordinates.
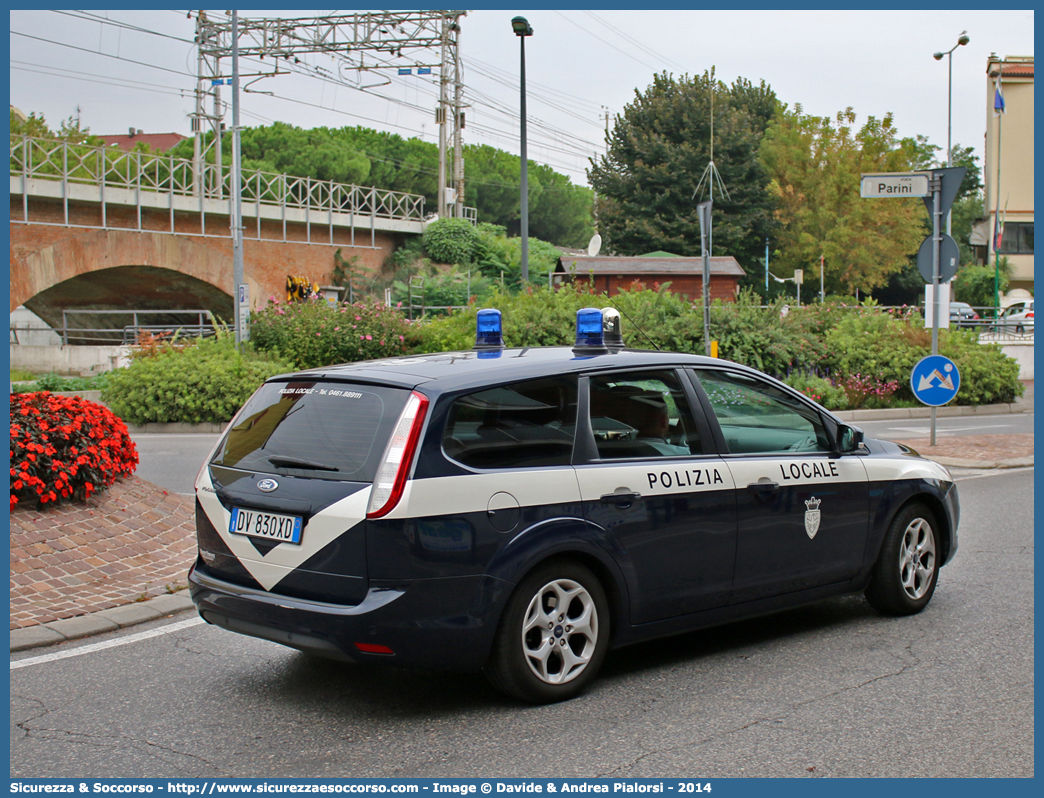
(1017, 318)
(962, 314)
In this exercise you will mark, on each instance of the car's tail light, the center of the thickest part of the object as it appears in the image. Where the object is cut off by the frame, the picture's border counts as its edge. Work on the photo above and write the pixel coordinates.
(1029, 315)
(395, 465)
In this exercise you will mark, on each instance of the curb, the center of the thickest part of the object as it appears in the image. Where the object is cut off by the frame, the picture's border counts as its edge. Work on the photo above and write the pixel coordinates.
(99, 622)
(926, 412)
(957, 462)
(177, 427)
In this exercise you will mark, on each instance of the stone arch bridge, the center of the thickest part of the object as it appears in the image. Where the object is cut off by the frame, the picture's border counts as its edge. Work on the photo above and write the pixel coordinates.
(96, 229)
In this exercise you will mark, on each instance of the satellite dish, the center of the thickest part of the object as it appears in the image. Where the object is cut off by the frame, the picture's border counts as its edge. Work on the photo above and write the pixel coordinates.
(594, 246)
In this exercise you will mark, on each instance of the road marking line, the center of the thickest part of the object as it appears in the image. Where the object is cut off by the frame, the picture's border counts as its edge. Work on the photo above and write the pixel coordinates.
(91, 648)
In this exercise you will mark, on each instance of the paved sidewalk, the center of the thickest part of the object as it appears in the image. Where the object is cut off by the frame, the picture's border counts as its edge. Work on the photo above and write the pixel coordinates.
(122, 558)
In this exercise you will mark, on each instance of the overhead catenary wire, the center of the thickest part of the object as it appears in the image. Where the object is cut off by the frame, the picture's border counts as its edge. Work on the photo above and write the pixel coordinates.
(548, 140)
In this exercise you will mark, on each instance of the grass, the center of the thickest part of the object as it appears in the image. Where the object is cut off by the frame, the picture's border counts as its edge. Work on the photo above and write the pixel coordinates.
(18, 375)
(53, 382)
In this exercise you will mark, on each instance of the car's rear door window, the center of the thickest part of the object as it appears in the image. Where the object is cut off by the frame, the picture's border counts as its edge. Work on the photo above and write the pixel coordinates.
(521, 425)
(642, 414)
(326, 430)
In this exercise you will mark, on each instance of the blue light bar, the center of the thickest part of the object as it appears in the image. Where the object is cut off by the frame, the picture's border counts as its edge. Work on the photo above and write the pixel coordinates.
(489, 330)
(589, 329)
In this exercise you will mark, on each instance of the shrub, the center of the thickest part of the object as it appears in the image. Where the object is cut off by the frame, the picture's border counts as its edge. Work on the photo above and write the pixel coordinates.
(54, 382)
(988, 376)
(862, 390)
(818, 388)
(315, 333)
(875, 343)
(445, 287)
(762, 338)
(889, 348)
(450, 240)
(974, 284)
(64, 447)
(539, 316)
(206, 382)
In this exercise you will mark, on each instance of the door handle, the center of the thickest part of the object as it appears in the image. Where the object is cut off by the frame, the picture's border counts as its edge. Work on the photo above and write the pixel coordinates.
(620, 499)
(762, 489)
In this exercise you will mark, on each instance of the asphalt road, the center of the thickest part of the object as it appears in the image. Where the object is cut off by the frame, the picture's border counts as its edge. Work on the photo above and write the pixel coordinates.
(172, 461)
(830, 690)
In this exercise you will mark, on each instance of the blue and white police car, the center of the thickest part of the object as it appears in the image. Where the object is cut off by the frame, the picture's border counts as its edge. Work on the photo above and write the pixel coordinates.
(523, 511)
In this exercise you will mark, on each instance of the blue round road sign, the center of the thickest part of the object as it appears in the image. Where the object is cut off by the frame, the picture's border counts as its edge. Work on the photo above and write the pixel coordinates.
(935, 380)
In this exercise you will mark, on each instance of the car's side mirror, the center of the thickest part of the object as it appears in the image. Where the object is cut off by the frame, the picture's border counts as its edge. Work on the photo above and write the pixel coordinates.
(849, 439)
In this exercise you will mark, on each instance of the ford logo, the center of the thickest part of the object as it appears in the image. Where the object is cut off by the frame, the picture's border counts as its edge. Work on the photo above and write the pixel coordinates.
(267, 485)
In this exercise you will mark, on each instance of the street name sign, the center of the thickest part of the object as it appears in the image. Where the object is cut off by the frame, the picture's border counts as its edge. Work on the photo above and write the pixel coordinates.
(895, 184)
(935, 380)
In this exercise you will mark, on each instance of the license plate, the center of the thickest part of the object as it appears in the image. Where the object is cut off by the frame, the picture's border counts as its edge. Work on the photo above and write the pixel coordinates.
(271, 526)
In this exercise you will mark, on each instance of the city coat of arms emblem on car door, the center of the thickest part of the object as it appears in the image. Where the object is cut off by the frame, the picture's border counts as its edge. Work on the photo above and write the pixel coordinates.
(812, 516)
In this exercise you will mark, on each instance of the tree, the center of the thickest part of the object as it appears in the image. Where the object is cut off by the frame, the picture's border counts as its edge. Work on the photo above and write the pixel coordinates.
(558, 210)
(658, 151)
(36, 126)
(815, 165)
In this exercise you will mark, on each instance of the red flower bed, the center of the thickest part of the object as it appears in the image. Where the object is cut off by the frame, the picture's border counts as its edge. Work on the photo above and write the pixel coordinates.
(65, 447)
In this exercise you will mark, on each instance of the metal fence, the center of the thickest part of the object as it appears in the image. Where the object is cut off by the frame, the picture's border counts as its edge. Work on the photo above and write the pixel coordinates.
(112, 169)
(126, 330)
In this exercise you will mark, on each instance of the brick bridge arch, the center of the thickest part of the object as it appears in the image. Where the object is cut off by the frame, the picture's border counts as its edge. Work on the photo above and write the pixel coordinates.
(55, 267)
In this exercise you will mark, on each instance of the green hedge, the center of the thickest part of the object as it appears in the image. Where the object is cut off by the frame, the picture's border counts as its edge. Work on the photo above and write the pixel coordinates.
(887, 348)
(205, 382)
(843, 357)
(315, 333)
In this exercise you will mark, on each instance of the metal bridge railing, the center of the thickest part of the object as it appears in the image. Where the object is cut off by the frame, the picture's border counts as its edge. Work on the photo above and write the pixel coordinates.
(112, 168)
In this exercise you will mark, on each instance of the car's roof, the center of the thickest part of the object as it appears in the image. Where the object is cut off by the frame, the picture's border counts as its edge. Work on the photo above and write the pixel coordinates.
(468, 369)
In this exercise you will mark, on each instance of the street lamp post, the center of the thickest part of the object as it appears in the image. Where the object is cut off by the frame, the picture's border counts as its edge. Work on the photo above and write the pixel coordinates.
(961, 41)
(522, 29)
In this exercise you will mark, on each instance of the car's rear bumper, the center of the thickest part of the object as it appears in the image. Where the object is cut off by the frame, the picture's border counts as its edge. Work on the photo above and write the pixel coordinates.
(444, 623)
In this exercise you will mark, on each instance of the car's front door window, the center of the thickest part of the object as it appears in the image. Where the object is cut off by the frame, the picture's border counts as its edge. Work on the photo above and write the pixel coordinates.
(757, 417)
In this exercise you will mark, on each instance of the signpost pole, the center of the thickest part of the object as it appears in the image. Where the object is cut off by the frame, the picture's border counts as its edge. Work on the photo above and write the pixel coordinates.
(936, 187)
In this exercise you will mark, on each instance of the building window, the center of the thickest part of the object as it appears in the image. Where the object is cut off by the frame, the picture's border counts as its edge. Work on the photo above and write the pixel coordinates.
(1018, 239)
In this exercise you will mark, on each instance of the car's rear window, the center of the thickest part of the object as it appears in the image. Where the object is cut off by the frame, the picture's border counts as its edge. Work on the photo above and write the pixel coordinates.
(326, 430)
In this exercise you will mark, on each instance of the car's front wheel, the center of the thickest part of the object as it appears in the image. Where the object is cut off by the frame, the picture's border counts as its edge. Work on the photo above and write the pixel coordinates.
(553, 635)
(906, 572)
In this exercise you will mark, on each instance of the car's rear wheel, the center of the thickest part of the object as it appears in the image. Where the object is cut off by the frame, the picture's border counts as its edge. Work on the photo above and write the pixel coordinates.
(906, 572)
(553, 635)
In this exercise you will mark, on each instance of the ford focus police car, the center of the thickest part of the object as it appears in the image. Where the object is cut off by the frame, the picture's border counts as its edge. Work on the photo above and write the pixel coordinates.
(522, 511)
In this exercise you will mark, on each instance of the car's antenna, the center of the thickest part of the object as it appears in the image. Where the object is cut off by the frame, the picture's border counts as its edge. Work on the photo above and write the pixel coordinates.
(639, 329)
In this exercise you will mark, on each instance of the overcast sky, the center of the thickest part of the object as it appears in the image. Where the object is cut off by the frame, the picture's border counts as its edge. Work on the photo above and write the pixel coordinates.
(581, 65)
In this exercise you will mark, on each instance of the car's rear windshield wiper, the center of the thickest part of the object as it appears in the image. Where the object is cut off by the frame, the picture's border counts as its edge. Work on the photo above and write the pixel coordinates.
(297, 462)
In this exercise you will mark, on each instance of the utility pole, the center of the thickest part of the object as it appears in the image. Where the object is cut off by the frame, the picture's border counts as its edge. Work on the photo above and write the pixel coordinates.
(279, 42)
(458, 124)
(441, 119)
(241, 295)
